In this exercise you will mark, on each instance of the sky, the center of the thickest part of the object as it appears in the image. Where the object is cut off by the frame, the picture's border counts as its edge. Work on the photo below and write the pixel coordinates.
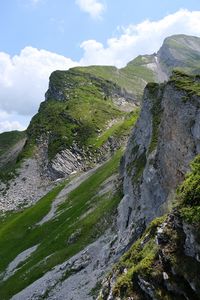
(40, 36)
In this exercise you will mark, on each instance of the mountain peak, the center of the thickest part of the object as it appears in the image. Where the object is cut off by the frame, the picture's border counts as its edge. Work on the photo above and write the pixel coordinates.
(180, 51)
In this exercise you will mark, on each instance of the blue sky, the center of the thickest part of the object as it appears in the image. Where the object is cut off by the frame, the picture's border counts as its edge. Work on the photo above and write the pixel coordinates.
(60, 26)
(39, 36)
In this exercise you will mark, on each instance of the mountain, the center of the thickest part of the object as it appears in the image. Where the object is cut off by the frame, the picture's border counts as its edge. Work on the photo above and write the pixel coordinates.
(163, 263)
(83, 120)
(180, 51)
(86, 116)
(91, 187)
(11, 143)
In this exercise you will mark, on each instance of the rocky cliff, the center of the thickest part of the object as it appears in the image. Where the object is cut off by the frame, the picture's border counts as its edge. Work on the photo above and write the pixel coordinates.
(164, 141)
(164, 263)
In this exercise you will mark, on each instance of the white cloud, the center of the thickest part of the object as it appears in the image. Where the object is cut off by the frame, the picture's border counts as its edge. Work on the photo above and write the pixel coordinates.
(143, 38)
(8, 122)
(94, 8)
(10, 125)
(24, 78)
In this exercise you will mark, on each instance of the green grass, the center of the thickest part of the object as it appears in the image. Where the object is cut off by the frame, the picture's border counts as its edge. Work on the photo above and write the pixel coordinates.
(9, 139)
(138, 260)
(86, 109)
(188, 83)
(120, 129)
(53, 236)
(16, 226)
(132, 78)
(189, 194)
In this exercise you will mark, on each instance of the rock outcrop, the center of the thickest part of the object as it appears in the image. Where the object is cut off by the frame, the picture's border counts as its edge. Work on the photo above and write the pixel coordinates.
(163, 143)
(163, 264)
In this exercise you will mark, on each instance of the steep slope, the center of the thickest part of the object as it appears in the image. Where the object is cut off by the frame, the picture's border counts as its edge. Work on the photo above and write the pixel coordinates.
(177, 51)
(9, 139)
(83, 121)
(83, 215)
(164, 263)
(11, 143)
(180, 51)
(165, 140)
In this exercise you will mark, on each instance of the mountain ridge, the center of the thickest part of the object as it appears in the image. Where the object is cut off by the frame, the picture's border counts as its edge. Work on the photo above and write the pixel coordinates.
(92, 176)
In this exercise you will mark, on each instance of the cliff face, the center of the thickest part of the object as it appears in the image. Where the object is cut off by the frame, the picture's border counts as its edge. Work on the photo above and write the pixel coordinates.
(164, 141)
(165, 262)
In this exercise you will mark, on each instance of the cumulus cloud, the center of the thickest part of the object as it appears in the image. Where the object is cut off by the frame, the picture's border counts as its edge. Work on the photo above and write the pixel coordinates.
(142, 38)
(10, 125)
(24, 78)
(8, 122)
(94, 8)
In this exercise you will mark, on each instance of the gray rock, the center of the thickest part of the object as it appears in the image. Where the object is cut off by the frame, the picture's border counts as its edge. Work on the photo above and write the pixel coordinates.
(191, 247)
(151, 177)
(85, 275)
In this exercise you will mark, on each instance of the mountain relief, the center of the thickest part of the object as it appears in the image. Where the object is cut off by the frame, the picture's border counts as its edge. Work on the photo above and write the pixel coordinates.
(99, 197)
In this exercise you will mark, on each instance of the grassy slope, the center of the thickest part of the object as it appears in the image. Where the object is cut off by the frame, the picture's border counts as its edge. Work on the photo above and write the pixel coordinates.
(184, 49)
(53, 235)
(132, 78)
(9, 139)
(187, 83)
(189, 194)
(85, 111)
(119, 130)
